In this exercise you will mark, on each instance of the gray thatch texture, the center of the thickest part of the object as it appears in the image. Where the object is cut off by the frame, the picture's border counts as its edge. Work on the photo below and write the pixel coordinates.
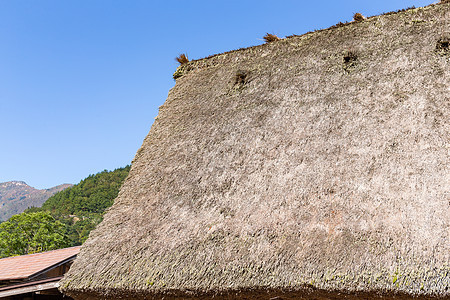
(286, 170)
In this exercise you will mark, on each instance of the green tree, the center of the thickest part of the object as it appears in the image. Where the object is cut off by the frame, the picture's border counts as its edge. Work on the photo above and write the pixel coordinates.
(81, 207)
(27, 233)
(93, 195)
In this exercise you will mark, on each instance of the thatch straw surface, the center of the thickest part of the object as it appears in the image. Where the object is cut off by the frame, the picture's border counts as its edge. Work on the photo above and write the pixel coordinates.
(310, 178)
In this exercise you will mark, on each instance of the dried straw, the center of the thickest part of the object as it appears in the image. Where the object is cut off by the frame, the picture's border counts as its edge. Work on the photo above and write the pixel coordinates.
(307, 182)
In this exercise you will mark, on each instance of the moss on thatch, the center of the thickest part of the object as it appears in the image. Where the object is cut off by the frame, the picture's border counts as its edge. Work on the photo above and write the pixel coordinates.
(309, 181)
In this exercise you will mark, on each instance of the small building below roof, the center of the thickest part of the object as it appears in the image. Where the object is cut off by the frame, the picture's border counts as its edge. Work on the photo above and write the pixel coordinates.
(35, 276)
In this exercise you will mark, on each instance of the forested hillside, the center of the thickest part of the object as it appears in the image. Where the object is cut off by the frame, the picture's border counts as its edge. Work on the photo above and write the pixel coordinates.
(65, 219)
(91, 196)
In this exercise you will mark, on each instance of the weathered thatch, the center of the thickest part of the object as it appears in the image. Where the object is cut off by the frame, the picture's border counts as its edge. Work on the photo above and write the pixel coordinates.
(286, 170)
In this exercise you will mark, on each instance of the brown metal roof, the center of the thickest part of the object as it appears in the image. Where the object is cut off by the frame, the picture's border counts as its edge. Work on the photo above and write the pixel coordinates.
(24, 266)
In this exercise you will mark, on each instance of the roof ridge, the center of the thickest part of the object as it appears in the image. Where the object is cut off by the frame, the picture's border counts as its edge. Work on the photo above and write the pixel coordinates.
(338, 25)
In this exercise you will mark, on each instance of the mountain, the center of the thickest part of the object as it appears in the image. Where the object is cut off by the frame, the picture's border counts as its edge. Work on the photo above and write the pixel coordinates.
(16, 196)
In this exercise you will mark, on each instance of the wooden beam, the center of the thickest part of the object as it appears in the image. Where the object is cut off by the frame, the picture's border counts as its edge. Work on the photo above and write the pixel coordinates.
(30, 289)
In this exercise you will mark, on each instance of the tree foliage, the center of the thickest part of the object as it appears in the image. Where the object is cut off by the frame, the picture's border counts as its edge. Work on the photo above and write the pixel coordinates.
(27, 233)
(65, 219)
(92, 195)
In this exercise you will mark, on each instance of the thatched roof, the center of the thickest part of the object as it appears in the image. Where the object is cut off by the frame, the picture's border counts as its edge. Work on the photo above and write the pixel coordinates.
(314, 166)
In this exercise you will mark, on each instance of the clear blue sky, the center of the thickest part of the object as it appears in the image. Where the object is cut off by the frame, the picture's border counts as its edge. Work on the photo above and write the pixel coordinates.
(81, 80)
